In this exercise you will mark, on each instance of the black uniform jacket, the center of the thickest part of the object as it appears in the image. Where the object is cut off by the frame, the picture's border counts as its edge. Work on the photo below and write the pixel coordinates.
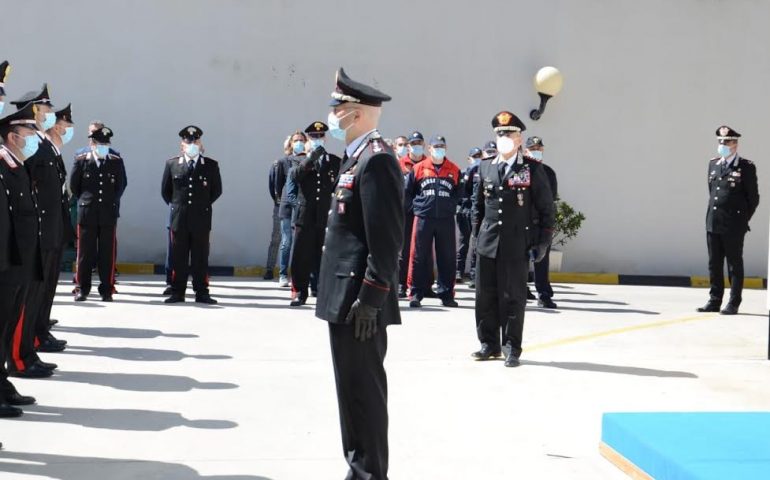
(46, 181)
(733, 196)
(191, 193)
(98, 190)
(365, 232)
(521, 203)
(20, 259)
(315, 178)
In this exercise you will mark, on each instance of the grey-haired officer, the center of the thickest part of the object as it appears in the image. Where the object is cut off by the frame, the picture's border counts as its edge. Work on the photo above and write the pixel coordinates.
(191, 184)
(513, 196)
(464, 206)
(733, 199)
(534, 148)
(359, 274)
(97, 182)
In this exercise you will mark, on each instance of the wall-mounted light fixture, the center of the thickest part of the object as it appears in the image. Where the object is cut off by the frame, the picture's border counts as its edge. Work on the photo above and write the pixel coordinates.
(548, 82)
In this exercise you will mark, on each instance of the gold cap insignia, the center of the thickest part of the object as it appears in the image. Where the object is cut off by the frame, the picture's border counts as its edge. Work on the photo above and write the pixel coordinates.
(724, 131)
(504, 118)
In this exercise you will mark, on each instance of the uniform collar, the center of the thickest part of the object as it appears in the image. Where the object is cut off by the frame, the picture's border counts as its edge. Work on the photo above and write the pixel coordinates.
(198, 158)
(353, 146)
(729, 161)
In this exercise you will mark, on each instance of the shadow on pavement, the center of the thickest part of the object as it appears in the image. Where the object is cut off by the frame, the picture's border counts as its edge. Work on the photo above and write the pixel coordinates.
(138, 354)
(610, 310)
(595, 302)
(64, 467)
(118, 419)
(113, 332)
(618, 369)
(141, 382)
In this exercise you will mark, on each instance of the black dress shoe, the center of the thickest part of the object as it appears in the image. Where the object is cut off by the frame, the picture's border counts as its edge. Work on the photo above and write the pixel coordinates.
(512, 361)
(314, 293)
(51, 345)
(402, 292)
(486, 352)
(9, 411)
(205, 299)
(106, 298)
(449, 302)
(169, 290)
(459, 278)
(414, 303)
(12, 396)
(530, 295)
(546, 303)
(81, 297)
(430, 293)
(52, 322)
(268, 275)
(33, 371)
(709, 307)
(48, 365)
(298, 301)
(729, 309)
(174, 299)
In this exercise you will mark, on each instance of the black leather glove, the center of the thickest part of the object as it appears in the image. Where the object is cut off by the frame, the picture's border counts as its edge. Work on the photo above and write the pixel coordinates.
(312, 159)
(364, 318)
(537, 253)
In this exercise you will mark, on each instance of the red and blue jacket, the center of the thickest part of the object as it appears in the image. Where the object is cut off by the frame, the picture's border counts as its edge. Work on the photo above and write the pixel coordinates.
(433, 190)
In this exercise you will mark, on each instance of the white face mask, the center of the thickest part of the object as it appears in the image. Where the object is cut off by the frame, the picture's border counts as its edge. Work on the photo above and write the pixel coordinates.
(505, 145)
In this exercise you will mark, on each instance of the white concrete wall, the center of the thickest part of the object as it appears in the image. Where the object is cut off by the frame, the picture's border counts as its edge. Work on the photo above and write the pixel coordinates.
(630, 135)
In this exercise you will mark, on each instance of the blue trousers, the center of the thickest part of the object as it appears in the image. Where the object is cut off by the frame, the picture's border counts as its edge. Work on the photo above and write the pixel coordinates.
(285, 248)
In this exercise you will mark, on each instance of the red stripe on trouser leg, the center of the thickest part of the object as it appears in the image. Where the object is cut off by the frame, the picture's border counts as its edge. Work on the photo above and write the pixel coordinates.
(16, 347)
(37, 342)
(410, 270)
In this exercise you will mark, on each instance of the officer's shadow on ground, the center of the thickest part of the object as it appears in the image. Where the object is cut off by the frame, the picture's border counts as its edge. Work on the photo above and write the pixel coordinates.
(617, 369)
(79, 304)
(65, 467)
(138, 354)
(141, 382)
(113, 332)
(119, 419)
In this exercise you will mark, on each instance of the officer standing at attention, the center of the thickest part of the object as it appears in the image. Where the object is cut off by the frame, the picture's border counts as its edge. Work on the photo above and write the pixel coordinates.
(513, 212)
(315, 178)
(468, 180)
(432, 189)
(191, 185)
(534, 149)
(97, 182)
(359, 274)
(733, 199)
(46, 175)
(20, 262)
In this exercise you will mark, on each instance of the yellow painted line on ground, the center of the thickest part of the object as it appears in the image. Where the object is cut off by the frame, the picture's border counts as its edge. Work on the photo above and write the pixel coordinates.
(136, 268)
(253, 271)
(615, 331)
(748, 282)
(595, 278)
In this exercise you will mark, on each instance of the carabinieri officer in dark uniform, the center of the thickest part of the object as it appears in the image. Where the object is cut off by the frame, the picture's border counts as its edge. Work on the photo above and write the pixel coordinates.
(733, 199)
(315, 177)
(513, 219)
(358, 282)
(20, 262)
(191, 184)
(97, 182)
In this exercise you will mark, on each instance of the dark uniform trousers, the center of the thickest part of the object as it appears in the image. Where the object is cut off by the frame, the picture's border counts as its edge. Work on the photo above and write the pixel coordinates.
(464, 229)
(427, 232)
(306, 259)
(12, 301)
(723, 246)
(542, 282)
(501, 295)
(51, 270)
(96, 244)
(190, 254)
(404, 259)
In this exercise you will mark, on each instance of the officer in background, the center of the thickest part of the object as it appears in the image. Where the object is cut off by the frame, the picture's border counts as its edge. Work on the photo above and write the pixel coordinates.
(97, 182)
(490, 150)
(733, 199)
(5, 69)
(191, 185)
(286, 190)
(20, 262)
(432, 189)
(46, 175)
(513, 220)
(469, 178)
(534, 149)
(415, 154)
(359, 274)
(315, 178)
(275, 233)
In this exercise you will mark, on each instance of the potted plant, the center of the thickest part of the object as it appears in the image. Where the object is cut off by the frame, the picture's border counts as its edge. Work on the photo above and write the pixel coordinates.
(568, 223)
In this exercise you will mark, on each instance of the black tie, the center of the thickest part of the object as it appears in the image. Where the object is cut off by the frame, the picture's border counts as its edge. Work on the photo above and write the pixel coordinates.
(502, 168)
(190, 165)
(101, 163)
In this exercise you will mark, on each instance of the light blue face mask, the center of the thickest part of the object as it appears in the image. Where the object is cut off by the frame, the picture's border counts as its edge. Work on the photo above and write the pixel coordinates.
(334, 126)
(102, 151)
(69, 132)
(417, 150)
(439, 153)
(298, 147)
(723, 151)
(2, 106)
(31, 144)
(192, 150)
(316, 142)
(401, 151)
(536, 154)
(49, 122)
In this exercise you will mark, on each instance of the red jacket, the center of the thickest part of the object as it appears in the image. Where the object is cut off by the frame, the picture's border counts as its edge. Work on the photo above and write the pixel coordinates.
(433, 193)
